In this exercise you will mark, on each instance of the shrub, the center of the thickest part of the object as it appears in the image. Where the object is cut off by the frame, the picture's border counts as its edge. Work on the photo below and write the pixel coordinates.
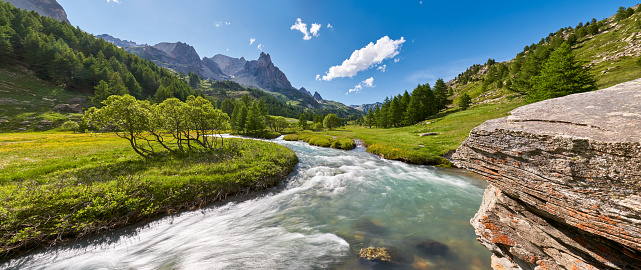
(70, 126)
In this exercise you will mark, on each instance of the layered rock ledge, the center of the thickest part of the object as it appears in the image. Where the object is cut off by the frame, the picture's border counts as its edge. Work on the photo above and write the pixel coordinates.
(565, 182)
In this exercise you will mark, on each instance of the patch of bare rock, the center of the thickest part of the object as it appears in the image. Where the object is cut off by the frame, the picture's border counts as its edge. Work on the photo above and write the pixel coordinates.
(565, 182)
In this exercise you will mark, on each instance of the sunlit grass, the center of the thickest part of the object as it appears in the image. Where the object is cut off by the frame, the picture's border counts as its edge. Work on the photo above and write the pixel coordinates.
(60, 186)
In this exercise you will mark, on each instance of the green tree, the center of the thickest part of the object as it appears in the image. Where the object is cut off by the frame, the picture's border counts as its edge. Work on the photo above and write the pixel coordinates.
(465, 101)
(129, 117)
(561, 75)
(255, 121)
(440, 91)
(70, 126)
(331, 121)
(302, 122)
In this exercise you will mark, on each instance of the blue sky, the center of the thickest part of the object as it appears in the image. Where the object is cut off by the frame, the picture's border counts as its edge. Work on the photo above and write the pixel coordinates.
(373, 49)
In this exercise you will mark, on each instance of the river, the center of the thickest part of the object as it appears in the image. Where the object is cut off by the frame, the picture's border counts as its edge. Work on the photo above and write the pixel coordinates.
(335, 203)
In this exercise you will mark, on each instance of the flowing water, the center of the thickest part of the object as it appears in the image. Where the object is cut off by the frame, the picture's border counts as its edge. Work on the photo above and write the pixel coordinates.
(334, 204)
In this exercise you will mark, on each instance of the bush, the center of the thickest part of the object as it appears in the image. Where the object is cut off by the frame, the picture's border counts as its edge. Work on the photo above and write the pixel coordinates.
(70, 126)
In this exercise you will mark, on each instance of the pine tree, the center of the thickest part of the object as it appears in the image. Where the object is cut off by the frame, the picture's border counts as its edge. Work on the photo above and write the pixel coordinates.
(255, 121)
(621, 14)
(561, 75)
(302, 122)
(440, 91)
(465, 102)
(414, 112)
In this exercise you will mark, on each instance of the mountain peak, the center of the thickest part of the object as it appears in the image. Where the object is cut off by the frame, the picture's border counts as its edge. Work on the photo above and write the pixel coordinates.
(264, 58)
(49, 8)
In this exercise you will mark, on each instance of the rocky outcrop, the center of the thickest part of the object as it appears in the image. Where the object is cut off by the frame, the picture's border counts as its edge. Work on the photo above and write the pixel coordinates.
(317, 96)
(49, 8)
(119, 42)
(262, 73)
(565, 182)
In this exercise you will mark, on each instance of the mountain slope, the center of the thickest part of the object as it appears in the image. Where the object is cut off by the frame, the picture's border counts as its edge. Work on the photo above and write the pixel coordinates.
(610, 48)
(49, 8)
(259, 74)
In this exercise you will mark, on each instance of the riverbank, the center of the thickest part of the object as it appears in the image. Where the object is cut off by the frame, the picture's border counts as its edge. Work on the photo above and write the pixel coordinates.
(446, 132)
(57, 187)
(322, 140)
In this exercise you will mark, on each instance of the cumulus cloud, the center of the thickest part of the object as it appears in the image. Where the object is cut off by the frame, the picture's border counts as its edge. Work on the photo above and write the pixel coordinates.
(366, 83)
(329, 26)
(382, 68)
(251, 41)
(113, 1)
(318, 77)
(315, 28)
(302, 27)
(260, 47)
(218, 24)
(396, 60)
(368, 56)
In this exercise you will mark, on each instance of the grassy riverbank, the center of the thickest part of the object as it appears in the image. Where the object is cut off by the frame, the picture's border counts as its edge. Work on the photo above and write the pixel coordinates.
(56, 187)
(405, 144)
(322, 140)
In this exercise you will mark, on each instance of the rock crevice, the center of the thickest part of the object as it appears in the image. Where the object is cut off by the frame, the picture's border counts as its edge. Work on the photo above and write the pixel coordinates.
(565, 182)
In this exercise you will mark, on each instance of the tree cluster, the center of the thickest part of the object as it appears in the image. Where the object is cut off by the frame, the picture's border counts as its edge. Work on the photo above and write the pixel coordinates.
(408, 109)
(172, 125)
(251, 116)
(67, 56)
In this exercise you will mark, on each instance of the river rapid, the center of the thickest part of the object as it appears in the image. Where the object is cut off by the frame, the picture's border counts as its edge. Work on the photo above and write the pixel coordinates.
(335, 203)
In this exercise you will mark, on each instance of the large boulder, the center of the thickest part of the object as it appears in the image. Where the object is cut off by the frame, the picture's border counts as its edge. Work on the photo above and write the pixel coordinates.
(565, 182)
(67, 108)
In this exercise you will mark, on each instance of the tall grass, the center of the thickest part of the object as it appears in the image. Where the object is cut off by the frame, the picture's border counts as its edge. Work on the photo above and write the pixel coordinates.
(58, 187)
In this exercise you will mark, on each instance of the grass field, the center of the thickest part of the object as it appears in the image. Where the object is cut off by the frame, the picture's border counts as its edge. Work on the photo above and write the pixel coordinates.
(405, 144)
(56, 187)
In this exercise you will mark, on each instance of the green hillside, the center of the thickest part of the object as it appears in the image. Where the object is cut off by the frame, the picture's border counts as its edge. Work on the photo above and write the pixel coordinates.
(609, 48)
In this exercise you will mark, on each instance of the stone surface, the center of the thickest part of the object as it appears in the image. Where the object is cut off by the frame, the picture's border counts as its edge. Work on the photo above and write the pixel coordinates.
(68, 108)
(565, 179)
(49, 8)
(375, 254)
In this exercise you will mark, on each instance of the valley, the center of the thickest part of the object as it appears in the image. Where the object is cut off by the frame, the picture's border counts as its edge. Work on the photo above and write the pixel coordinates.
(115, 154)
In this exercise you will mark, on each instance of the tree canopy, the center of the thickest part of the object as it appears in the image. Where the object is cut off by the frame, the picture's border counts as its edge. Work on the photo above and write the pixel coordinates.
(561, 75)
(172, 125)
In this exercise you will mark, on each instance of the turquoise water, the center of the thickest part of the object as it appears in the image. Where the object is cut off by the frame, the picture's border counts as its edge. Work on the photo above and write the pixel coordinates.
(334, 204)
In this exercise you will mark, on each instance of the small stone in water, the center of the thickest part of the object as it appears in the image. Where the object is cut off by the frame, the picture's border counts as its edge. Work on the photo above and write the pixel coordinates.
(375, 254)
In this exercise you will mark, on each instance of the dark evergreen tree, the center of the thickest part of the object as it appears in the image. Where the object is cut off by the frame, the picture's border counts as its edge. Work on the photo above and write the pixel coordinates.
(561, 75)
(465, 101)
(440, 91)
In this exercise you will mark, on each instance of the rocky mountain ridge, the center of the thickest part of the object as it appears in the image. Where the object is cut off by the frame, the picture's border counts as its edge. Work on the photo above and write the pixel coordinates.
(49, 8)
(181, 57)
(365, 107)
(565, 182)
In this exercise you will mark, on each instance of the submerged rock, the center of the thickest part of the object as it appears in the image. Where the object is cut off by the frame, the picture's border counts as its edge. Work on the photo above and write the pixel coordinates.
(431, 247)
(377, 254)
(565, 182)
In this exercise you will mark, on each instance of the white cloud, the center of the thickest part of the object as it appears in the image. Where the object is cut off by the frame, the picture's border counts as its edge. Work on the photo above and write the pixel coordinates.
(329, 26)
(260, 47)
(366, 83)
(420, 2)
(218, 24)
(368, 56)
(396, 60)
(315, 28)
(318, 77)
(369, 82)
(113, 1)
(251, 41)
(302, 27)
(382, 68)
